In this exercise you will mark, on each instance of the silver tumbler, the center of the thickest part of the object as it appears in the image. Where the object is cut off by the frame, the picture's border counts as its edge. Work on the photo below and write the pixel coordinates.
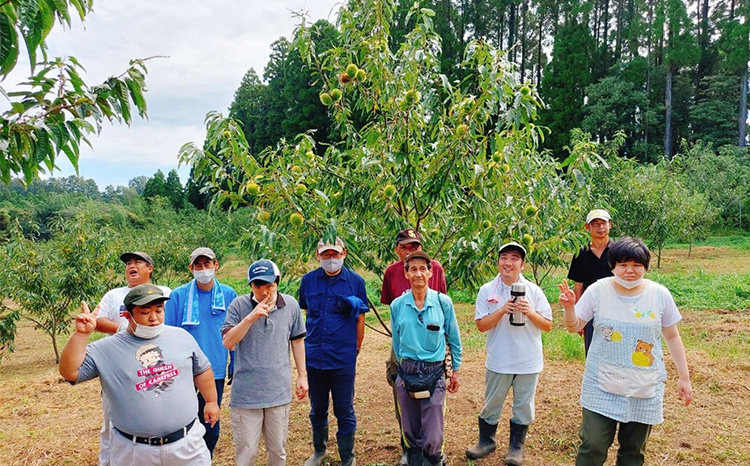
(517, 290)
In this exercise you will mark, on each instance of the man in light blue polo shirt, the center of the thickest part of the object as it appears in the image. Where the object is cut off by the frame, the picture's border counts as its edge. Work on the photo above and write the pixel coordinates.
(200, 308)
(335, 300)
(421, 319)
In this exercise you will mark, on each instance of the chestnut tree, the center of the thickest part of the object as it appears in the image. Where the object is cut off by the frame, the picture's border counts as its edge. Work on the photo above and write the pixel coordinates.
(459, 161)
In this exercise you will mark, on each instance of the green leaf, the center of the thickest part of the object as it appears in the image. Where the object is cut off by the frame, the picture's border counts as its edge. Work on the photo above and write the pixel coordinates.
(8, 44)
(62, 10)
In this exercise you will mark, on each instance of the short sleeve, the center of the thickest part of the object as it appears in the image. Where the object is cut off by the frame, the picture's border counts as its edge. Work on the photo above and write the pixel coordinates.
(233, 316)
(108, 309)
(200, 362)
(440, 284)
(576, 272)
(385, 291)
(586, 306)
(302, 299)
(482, 306)
(88, 369)
(171, 310)
(670, 314)
(298, 324)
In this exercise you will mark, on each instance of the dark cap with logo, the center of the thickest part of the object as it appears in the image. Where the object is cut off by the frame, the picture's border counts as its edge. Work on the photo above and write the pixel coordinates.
(410, 235)
(144, 294)
(126, 256)
(263, 270)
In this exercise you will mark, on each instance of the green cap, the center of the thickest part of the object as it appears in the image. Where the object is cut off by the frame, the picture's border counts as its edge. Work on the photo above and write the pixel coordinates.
(144, 294)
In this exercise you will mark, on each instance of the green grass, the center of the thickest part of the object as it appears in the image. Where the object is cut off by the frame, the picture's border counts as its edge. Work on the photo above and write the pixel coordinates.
(734, 239)
(701, 291)
(560, 344)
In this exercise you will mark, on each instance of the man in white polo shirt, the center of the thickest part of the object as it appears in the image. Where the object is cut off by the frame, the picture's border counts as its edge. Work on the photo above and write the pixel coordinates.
(514, 351)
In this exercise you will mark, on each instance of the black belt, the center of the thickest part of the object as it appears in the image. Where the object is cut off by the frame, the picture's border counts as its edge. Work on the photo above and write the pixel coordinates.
(163, 440)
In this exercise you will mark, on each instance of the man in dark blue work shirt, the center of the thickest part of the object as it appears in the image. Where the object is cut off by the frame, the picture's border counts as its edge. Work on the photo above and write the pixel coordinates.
(335, 300)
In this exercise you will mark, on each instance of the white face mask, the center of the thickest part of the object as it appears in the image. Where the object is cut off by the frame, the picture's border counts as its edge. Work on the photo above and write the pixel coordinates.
(204, 276)
(332, 265)
(147, 331)
(627, 284)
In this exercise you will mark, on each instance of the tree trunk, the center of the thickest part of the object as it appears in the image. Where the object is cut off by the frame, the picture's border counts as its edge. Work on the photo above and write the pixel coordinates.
(618, 37)
(742, 119)
(668, 115)
(522, 36)
(512, 31)
(54, 346)
(539, 50)
(658, 258)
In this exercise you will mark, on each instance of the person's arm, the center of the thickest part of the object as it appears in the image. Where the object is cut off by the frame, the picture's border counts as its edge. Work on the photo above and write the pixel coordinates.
(237, 332)
(578, 290)
(490, 321)
(454, 338)
(207, 386)
(105, 325)
(395, 337)
(74, 353)
(362, 295)
(440, 283)
(568, 301)
(360, 331)
(298, 352)
(677, 350)
(385, 292)
(536, 318)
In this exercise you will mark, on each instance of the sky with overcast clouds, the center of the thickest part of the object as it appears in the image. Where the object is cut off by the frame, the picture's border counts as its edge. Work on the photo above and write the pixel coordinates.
(210, 45)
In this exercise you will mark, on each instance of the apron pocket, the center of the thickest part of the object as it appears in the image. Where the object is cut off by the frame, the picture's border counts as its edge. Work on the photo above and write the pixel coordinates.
(629, 382)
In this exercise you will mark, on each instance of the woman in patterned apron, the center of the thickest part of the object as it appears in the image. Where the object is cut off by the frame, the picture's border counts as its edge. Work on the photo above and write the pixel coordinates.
(623, 382)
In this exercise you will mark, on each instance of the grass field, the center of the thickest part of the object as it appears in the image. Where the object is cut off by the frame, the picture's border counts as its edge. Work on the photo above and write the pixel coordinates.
(49, 422)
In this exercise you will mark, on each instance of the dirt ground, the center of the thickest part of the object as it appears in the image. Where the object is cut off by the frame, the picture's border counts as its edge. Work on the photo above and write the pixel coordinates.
(48, 422)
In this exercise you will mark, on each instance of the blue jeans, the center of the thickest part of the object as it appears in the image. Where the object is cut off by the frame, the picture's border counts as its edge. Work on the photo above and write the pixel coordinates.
(212, 433)
(340, 384)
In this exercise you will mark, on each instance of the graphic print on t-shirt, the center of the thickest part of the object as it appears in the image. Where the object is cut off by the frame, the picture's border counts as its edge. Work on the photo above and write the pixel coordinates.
(158, 374)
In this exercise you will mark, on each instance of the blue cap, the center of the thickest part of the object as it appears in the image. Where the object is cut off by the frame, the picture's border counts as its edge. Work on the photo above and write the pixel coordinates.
(263, 270)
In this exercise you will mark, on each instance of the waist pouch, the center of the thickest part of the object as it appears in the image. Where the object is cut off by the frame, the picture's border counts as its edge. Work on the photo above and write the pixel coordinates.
(420, 381)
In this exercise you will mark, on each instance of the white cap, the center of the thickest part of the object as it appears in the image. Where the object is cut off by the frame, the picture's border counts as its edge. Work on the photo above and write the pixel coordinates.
(597, 213)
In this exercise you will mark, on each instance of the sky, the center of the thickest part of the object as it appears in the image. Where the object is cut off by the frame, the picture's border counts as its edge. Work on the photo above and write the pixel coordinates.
(207, 46)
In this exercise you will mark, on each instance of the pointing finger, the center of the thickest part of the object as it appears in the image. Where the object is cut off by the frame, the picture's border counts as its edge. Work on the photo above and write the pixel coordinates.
(85, 307)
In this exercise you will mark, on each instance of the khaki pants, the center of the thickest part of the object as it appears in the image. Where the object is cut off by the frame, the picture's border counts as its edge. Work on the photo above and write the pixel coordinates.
(189, 451)
(247, 426)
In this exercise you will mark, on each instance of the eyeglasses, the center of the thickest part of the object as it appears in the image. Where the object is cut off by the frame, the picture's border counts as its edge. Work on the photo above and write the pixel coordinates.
(330, 255)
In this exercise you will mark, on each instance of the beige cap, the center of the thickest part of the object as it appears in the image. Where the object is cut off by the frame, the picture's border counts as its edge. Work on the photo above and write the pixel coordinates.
(337, 246)
(206, 252)
(597, 213)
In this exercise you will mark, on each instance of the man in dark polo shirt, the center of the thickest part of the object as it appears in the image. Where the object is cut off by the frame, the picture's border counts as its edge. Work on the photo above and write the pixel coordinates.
(591, 262)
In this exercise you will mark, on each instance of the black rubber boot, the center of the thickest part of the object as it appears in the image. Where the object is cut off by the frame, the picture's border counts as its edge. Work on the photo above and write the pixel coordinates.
(517, 439)
(486, 443)
(414, 457)
(320, 439)
(429, 461)
(346, 450)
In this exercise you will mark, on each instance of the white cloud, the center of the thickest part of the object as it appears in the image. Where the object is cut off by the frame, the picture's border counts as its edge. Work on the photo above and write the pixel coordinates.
(210, 46)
